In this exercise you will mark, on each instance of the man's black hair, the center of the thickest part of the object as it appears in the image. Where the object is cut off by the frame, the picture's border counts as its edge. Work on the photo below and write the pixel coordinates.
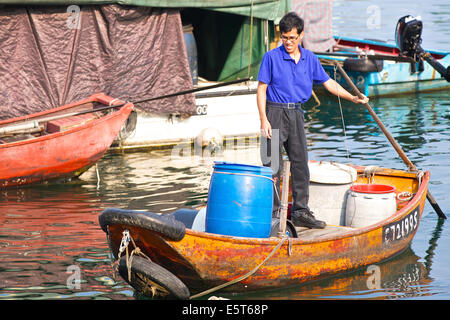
(290, 21)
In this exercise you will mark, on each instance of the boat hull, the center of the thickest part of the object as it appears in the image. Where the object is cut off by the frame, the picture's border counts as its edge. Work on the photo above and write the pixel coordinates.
(204, 260)
(60, 155)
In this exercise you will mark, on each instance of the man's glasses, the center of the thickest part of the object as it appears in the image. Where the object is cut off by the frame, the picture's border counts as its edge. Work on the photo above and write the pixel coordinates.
(291, 39)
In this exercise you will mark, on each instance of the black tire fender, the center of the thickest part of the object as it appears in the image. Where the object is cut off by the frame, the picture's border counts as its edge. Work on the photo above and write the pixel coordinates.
(290, 228)
(152, 280)
(363, 65)
(167, 226)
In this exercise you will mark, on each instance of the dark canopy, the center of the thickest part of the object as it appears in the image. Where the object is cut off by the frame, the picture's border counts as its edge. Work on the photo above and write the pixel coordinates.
(126, 52)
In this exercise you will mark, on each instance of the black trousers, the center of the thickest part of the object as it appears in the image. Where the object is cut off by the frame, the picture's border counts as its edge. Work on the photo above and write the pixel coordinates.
(287, 131)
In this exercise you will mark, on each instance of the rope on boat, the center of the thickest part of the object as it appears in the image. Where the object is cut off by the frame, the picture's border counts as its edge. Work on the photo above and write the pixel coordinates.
(342, 115)
(98, 176)
(369, 172)
(404, 196)
(251, 40)
(282, 240)
(126, 239)
(420, 175)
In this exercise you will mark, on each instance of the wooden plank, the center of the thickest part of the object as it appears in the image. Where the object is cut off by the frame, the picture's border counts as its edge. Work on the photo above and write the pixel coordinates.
(311, 234)
(70, 122)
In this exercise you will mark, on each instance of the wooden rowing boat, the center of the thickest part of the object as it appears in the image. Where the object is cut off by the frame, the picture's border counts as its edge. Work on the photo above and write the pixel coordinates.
(390, 74)
(201, 260)
(60, 143)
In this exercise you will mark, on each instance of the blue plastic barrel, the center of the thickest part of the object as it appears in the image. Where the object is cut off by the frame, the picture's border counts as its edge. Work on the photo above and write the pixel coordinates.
(240, 200)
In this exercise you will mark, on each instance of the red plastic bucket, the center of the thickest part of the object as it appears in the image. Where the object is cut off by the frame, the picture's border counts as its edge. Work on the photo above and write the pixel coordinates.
(372, 188)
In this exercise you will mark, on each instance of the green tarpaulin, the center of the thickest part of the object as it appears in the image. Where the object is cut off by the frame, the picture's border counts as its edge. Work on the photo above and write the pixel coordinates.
(262, 9)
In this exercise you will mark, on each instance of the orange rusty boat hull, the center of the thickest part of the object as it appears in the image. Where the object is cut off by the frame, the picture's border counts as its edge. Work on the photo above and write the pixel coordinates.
(65, 153)
(204, 260)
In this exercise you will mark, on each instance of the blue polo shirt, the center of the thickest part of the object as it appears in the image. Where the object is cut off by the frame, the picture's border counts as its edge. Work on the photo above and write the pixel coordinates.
(287, 81)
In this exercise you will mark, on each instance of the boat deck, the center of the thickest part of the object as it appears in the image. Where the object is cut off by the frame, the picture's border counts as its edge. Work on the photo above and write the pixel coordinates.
(312, 234)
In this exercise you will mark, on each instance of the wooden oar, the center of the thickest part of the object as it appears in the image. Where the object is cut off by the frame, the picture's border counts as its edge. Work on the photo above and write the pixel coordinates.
(391, 139)
(284, 198)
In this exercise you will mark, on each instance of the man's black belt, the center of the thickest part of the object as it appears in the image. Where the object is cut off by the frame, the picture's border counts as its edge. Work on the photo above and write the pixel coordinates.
(291, 105)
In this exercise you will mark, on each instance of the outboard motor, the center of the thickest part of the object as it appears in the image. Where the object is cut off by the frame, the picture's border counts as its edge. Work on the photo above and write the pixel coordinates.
(408, 39)
(408, 36)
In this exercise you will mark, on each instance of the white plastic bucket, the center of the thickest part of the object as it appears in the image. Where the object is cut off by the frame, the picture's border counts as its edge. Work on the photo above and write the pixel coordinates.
(368, 204)
(329, 184)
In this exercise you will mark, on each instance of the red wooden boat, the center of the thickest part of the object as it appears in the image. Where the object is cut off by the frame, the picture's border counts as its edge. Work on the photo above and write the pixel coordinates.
(60, 143)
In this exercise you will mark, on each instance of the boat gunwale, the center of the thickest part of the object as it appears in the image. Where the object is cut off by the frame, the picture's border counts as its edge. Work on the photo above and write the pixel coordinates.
(385, 44)
(412, 204)
(94, 98)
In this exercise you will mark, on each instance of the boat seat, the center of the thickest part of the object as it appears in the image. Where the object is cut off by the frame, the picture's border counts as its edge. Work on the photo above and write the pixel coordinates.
(330, 230)
(64, 124)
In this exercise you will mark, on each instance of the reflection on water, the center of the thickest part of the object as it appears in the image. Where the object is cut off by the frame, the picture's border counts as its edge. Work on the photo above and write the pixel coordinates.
(165, 180)
(43, 231)
(401, 277)
(414, 121)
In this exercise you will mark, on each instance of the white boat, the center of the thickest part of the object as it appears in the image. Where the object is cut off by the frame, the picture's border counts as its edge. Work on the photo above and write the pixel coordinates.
(222, 113)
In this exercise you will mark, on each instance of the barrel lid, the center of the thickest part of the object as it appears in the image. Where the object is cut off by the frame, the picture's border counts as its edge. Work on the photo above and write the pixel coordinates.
(331, 172)
(225, 165)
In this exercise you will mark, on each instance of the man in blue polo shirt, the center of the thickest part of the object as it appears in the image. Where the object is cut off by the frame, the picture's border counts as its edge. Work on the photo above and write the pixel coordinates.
(286, 78)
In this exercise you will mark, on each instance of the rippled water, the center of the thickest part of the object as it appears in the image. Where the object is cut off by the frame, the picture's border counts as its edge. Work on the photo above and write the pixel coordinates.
(49, 233)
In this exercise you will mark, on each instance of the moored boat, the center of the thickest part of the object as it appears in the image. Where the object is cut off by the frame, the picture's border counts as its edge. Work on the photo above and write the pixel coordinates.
(178, 259)
(378, 69)
(59, 143)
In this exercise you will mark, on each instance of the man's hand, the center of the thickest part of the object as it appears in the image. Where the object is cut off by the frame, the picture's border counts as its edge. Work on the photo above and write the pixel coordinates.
(266, 129)
(336, 89)
(357, 99)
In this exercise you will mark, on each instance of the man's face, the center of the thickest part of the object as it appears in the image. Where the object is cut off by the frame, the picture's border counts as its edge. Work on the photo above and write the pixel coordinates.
(291, 40)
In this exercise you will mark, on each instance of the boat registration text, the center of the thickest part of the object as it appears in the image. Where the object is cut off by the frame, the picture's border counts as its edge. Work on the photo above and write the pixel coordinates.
(399, 230)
